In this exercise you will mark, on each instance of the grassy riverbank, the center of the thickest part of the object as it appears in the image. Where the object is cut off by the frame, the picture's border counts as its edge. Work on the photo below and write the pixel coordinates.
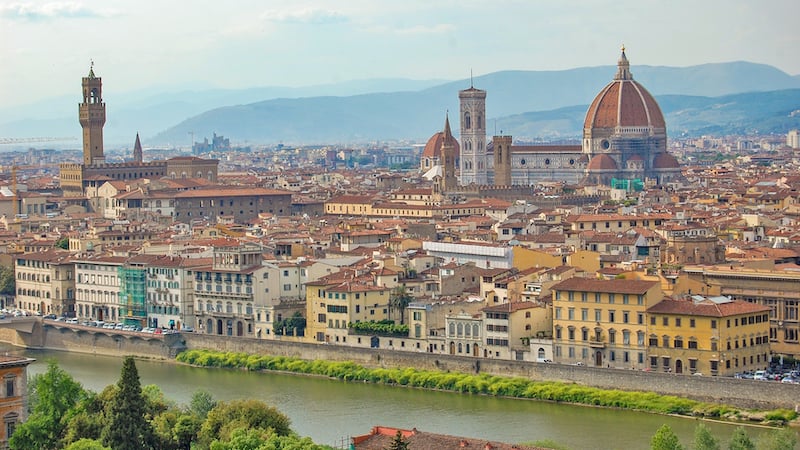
(484, 384)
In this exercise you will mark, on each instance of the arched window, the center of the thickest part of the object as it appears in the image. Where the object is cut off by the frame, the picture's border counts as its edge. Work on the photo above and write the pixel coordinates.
(467, 125)
(476, 330)
(452, 329)
(460, 331)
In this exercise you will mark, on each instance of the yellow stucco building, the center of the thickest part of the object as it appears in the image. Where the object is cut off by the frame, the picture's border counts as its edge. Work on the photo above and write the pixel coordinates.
(712, 336)
(602, 323)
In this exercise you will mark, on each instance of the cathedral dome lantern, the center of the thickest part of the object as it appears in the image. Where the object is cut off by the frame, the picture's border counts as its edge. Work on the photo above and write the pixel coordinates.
(625, 122)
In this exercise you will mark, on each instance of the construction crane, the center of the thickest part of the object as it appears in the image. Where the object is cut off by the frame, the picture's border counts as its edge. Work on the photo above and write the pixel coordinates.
(9, 141)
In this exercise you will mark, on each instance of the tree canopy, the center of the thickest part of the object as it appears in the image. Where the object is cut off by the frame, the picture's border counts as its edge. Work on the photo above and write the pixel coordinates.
(127, 428)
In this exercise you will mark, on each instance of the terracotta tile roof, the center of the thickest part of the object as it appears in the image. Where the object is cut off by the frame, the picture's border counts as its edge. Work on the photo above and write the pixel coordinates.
(609, 286)
(229, 192)
(381, 437)
(706, 308)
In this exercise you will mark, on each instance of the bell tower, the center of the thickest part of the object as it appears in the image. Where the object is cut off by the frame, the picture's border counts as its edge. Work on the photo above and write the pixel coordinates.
(92, 116)
(473, 136)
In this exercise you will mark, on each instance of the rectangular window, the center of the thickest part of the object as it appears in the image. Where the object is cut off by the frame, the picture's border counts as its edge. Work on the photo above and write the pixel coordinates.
(597, 315)
(610, 298)
(597, 297)
(571, 313)
(678, 322)
(558, 313)
(665, 321)
(9, 387)
(611, 315)
(691, 323)
(652, 320)
(713, 323)
(625, 299)
(584, 314)
(625, 316)
(583, 296)
(640, 318)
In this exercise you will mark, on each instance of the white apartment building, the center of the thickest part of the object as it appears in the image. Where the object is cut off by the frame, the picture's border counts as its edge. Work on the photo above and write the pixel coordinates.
(97, 287)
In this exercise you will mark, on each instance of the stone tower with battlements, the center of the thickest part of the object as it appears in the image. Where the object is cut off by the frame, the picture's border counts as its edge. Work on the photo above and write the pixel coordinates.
(92, 116)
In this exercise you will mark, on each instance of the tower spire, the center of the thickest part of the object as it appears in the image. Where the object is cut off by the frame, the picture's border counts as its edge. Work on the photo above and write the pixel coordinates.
(137, 149)
(447, 133)
(623, 67)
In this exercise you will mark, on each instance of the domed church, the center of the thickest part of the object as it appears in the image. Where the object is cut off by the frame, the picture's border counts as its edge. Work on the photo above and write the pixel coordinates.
(624, 144)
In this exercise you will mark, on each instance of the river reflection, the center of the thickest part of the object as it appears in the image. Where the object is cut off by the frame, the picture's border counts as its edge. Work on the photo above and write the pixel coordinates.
(329, 411)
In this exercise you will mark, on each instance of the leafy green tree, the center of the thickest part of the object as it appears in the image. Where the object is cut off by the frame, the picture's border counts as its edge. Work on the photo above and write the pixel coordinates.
(8, 284)
(54, 398)
(126, 427)
(781, 439)
(293, 326)
(704, 440)
(228, 416)
(202, 402)
(155, 401)
(398, 442)
(89, 420)
(740, 440)
(665, 439)
(259, 439)
(86, 444)
(186, 430)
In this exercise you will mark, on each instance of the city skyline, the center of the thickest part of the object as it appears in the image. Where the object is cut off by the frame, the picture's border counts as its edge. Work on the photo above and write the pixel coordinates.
(145, 44)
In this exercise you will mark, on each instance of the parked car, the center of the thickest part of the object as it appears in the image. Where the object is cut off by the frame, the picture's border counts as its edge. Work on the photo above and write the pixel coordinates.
(188, 329)
(760, 375)
(50, 317)
(72, 320)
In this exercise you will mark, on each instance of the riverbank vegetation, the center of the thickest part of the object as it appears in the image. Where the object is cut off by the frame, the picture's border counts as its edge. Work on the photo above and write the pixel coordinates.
(127, 416)
(486, 384)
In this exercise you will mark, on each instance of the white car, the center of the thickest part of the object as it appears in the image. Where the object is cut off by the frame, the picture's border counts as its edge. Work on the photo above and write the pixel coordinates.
(760, 375)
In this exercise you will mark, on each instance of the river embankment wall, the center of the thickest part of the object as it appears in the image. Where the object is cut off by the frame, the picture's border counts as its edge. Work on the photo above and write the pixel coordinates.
(735, 392)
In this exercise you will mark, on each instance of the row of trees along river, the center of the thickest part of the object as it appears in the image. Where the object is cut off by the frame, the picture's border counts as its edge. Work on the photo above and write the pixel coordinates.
(330, 411)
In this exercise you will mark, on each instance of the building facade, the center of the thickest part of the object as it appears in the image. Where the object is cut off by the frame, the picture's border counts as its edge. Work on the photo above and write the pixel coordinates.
(13, 394)
(713, 336)
(602, 323)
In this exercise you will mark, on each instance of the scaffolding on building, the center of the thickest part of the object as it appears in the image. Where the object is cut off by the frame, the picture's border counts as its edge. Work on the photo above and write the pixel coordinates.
(133, 295)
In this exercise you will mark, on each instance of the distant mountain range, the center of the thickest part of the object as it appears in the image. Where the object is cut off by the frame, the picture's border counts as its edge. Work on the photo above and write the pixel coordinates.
(705, 99)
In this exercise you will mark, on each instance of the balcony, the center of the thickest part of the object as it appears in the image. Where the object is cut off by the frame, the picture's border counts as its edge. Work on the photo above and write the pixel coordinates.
(597, 342)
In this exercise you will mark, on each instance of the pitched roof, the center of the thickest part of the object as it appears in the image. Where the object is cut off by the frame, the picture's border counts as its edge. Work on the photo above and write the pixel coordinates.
(706, 307)
(609, 286)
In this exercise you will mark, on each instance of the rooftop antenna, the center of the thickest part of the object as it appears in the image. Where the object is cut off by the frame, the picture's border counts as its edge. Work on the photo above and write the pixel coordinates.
(470, 79)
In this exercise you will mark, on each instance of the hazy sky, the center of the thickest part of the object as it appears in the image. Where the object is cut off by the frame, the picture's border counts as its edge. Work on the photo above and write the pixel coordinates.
(46, 46)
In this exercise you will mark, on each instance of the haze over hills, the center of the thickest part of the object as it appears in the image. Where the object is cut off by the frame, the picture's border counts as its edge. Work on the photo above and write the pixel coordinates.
(547, 104)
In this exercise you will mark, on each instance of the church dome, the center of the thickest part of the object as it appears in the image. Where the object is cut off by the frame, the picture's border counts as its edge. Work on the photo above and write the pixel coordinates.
(624, 103)
(433, 148)
(602, 162)
(665, 161)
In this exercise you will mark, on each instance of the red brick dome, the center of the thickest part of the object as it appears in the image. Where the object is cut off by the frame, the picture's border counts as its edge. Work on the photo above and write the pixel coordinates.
(665, 161)
(602, 162)
(433, 149)
(434, 146)
(624, 103)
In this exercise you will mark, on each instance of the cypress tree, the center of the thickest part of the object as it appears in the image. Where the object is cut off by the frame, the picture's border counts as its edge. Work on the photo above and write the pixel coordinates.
(127, 427)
